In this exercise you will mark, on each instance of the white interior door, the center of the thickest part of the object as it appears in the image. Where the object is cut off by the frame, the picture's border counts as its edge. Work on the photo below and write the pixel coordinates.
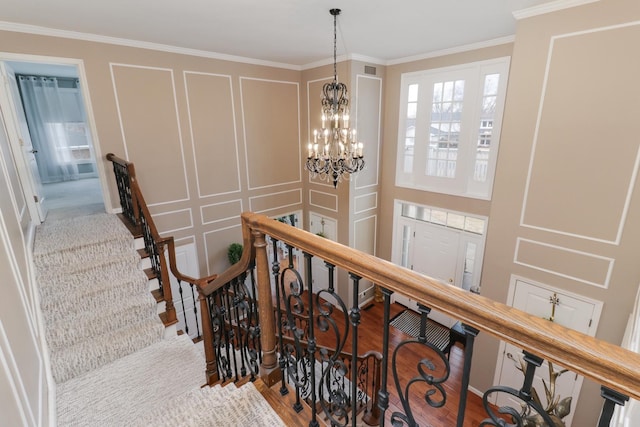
(567, 310)
(435, 254)
(21, 145)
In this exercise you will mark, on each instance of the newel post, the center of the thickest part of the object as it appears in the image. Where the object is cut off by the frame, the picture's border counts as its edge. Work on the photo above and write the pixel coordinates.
(167, 294)
(269, 370)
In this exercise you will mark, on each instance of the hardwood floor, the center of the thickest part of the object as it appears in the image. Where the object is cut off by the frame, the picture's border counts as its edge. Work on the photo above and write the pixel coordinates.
(370, 338)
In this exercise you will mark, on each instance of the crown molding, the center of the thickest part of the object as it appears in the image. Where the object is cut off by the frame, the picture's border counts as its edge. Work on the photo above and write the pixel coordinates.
(453, 50)
(53, 32)
(550, 7)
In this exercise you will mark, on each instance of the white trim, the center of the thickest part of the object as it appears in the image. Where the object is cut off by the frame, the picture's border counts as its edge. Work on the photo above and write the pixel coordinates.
(75, 35)
(636, 166)
(375, 231)
(172, 212)
(177, 117)
(5, 366)
(375, 193)
(604, 285)
(327, 194)
(217, 204)
(454, 50)
(550, 7)
(377, 174)
(244, 132)
(299, 190)
(206, 249)
(193, 142)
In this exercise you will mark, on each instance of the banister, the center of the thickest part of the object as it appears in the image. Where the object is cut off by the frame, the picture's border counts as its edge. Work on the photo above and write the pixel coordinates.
(607, 364)
(115, 159)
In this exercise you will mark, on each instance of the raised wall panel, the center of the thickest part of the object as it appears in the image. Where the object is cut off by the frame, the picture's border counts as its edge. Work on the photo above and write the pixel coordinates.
(277, 200)
(271, 124)
(216, 212)
(364, 234)
(213, 133)
(365, 202)
(323, 200)
(584, 164)
(368, 108)
(564, 262)
(150, 127)
(168, 222)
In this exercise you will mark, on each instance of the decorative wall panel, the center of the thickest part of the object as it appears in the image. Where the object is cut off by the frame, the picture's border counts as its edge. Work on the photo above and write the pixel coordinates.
(271, 124)
(564, 262)
(367, 113)
(213, 133)
(323, 200)
(221, 211)
(147, 108)
(273, 201)
(584, 164)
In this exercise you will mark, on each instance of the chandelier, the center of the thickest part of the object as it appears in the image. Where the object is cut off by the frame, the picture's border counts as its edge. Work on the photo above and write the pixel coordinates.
(335, 152)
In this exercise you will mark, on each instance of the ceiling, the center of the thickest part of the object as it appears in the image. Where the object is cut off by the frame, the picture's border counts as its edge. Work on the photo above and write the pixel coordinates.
(298, 33)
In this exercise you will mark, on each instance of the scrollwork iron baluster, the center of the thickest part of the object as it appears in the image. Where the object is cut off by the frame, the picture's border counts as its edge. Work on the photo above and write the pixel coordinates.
(524, 394)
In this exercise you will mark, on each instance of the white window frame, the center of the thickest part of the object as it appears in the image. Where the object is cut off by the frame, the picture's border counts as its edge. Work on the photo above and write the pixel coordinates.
(463, 184)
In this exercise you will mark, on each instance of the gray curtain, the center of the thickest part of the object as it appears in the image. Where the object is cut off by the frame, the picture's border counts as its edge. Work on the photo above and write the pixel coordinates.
(50, 115)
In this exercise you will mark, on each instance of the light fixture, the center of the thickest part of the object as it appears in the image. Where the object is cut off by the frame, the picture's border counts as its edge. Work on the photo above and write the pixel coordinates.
(335, 152)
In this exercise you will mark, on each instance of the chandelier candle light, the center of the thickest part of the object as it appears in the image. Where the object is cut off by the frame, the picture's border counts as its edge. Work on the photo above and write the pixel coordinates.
(335, 151)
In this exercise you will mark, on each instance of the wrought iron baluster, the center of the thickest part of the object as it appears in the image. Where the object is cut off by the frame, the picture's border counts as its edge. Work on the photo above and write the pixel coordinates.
(296, 369)
(435, 396)
(519, 417)
(311, 342)
(184, 312)
(336, 405)
(612, 398)
(231, 339)
(195, 310)
(275, 269)
(470, 335)
(383, 394)
(238, 300)
(354, 316)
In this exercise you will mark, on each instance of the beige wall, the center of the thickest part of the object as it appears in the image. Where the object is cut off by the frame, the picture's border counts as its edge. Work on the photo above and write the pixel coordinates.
(212, 125)
(565, 182)
(23, 381)
(209, 138)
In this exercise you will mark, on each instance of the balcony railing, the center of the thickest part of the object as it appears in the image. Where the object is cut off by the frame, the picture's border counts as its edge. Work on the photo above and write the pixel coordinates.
(311, 346)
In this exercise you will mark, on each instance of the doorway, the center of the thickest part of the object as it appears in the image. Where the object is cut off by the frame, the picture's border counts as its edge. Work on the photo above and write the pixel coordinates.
(556, 305)
(51, 137)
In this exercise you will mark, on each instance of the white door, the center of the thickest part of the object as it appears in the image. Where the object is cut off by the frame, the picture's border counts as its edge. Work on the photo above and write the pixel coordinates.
(327, 228)
(568, 310)
(434, 254)
(23, 151)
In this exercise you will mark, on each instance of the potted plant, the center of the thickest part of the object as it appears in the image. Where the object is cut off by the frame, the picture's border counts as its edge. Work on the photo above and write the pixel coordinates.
(234, 252)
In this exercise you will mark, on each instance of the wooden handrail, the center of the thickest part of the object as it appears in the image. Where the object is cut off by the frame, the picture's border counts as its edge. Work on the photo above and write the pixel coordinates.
(605, 363)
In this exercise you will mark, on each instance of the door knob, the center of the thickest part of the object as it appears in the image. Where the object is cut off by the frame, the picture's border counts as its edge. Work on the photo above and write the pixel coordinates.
(450, 280)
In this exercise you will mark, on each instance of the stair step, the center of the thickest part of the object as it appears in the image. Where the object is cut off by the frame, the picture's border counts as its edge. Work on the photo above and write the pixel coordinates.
(96, 352)
(283, 405)
(69, 328)
(123, 392)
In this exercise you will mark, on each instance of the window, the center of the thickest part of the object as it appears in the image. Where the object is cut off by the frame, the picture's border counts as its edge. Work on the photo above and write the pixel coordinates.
(450, 127)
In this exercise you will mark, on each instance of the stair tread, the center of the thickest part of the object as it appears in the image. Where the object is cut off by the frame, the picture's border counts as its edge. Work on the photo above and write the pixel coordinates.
(283, 405)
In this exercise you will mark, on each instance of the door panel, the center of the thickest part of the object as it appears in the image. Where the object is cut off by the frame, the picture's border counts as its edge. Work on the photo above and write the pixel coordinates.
(570, 311)
(435, 254)
(22, 144)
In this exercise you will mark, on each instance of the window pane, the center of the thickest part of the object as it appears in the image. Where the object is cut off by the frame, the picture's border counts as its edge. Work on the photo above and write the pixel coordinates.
(491, 84)
(455, 221)
(438, 217)
(444, 132)
(406, 238)
(413, 93)
(474, 225)
(412, 108)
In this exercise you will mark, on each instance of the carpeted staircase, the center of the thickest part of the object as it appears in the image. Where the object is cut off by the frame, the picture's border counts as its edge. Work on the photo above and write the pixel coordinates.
(109, 360)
